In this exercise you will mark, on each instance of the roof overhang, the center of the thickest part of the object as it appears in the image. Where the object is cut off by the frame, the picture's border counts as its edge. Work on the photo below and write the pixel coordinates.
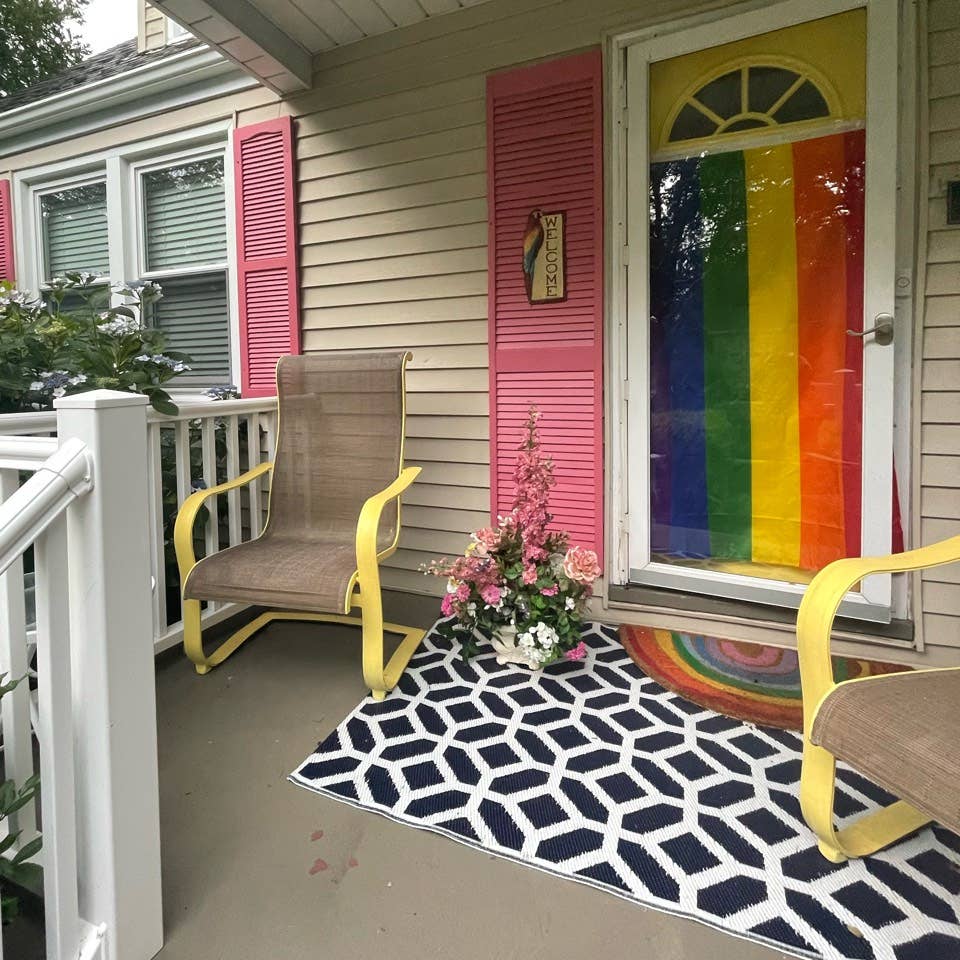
(175, 81)
(240, 31)
(276, 40)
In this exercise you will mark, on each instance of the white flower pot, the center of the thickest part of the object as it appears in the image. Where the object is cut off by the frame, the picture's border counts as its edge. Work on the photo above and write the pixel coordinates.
(504, 642)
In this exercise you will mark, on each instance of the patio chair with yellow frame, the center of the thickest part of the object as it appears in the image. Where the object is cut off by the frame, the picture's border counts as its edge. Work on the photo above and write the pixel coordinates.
(901, 730)
(333, 513)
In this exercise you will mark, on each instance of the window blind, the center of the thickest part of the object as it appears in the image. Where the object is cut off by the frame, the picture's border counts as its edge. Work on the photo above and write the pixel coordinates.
(74, 229)
(194, 319)
(185, 215)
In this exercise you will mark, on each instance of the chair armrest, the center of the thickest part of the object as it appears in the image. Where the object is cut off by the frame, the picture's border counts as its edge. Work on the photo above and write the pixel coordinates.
(369, 519)
(187, 515)
(822, 599)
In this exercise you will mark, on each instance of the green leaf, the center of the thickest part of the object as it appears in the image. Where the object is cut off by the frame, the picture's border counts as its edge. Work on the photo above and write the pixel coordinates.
(28, 850)
(161, 402)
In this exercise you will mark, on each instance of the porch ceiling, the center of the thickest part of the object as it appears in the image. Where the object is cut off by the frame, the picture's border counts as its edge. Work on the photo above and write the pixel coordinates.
(276, 40)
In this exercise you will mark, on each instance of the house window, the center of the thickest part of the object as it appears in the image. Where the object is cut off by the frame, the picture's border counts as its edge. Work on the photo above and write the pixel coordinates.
(149, 211)
(184, 248)
(176, 32)
(74, 230)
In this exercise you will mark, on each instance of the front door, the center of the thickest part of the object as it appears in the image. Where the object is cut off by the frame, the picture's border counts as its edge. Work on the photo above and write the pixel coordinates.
(761, 185)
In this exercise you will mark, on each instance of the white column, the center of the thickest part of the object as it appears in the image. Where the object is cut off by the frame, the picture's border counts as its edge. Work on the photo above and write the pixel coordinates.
(111, 626)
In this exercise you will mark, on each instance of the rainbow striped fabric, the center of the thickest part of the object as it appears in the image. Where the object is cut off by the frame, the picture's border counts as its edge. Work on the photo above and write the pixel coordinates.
(756, 389)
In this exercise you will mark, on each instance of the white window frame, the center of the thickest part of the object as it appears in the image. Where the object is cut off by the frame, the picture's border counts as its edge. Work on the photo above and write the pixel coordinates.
(67, 183)
(175, 32)
(120, 168)
(629, 242)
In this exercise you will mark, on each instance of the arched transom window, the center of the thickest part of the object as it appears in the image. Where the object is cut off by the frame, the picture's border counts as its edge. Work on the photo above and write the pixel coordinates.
(751, 96)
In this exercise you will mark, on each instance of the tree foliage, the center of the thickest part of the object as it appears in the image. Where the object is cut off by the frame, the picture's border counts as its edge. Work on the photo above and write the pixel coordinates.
(38, 39)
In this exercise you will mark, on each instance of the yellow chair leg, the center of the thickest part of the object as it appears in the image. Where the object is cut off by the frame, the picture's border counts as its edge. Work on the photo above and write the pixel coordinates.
(872, 832)
(381, 677)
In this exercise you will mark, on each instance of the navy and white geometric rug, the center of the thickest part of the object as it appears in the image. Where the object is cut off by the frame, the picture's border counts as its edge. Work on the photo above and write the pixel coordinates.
(594, 772)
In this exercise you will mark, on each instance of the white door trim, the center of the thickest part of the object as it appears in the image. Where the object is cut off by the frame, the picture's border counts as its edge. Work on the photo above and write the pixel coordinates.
(628, 348)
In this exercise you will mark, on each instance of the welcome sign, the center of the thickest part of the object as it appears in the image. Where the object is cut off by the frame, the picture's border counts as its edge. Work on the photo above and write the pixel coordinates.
(544, 257)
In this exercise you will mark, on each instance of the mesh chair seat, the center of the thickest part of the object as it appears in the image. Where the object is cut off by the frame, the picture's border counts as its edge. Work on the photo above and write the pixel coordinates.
(276, 571)
(902, 731)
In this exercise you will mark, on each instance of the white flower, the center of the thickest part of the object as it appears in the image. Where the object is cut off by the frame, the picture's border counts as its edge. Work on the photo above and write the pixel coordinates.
(570, 603)
(14, 296)
(119, 327)
(526, 640)
(36, 385)
(471, 609)
(161, 360)
(545, 635)
(451, 583)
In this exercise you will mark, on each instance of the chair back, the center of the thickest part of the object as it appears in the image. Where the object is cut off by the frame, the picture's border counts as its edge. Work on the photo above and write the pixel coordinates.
(340, 440)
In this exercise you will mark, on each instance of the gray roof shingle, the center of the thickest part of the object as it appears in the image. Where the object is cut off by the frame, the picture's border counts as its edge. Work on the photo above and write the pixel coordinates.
(109, 63)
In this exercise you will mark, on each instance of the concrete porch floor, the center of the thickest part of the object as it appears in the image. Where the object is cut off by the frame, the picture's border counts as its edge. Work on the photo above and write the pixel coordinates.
(238, 853)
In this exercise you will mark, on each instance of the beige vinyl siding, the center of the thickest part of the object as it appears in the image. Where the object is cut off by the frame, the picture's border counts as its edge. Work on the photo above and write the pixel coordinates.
(391, 152)
(940, 371)
(152, 28)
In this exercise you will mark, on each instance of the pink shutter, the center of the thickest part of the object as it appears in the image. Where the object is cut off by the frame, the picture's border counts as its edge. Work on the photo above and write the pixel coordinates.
(7, 271)
(545, 150)
(266, 251)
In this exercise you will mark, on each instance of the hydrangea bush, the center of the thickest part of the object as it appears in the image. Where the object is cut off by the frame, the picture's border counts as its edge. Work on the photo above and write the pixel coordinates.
(77, 339)
(519, 575)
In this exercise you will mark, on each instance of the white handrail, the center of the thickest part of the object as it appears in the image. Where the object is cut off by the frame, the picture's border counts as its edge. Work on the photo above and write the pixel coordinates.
(27, 424)
(213, 408)
(63, 477)
(25, 453)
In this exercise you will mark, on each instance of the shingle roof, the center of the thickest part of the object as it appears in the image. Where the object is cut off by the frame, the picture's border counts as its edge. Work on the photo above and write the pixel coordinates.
(116, 60)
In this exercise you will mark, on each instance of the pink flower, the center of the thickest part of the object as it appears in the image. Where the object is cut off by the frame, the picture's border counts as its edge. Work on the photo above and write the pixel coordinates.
(491, 594)
(463, 592)
(550, 591)
(446, 605)
(487, 538)
(581, 565)
(576, 653)
(529, 573)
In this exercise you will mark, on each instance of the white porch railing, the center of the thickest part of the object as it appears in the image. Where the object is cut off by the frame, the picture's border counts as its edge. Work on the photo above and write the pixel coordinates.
(205, 443)
(96, 714)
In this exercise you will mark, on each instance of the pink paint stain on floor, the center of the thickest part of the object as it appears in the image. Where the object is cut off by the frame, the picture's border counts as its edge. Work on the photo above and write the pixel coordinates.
(316, 835)
(319, 865)
(352, 862)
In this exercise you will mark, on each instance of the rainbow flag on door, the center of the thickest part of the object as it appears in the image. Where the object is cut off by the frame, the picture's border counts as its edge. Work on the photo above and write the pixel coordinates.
(756, 388)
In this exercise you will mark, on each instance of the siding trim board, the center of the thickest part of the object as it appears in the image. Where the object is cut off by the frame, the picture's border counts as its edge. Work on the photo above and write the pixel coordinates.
(543, 153)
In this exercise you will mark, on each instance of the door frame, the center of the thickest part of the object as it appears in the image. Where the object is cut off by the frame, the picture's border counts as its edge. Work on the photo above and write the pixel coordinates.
(631, 241)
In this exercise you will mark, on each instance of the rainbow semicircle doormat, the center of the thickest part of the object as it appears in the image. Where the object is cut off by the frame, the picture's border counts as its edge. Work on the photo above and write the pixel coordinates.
(749, 681)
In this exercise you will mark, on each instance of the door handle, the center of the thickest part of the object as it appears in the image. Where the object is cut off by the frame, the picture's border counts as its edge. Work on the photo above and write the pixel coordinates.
(882, 330)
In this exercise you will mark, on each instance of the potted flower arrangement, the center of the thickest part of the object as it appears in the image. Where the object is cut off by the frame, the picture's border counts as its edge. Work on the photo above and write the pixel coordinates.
(519, 583)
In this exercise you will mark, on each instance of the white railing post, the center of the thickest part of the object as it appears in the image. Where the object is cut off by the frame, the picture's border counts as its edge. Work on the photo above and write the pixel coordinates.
(111, 628)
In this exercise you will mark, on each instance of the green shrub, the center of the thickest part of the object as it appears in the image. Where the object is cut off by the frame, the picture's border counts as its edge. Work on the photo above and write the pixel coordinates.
(75, 340)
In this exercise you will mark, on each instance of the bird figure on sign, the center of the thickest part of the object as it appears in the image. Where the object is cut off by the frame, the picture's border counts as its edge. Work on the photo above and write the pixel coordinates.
(532, 242)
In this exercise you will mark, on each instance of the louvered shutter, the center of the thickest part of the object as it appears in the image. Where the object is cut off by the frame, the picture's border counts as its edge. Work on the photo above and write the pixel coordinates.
(7, 270)
(545, 151)
(266, 251)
